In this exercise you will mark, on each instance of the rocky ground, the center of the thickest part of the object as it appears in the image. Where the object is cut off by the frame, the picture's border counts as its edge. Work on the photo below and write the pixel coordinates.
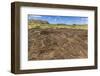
(62, 43)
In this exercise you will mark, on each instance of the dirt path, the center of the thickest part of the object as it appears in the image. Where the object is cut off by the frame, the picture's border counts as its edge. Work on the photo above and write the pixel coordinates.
(47, 44)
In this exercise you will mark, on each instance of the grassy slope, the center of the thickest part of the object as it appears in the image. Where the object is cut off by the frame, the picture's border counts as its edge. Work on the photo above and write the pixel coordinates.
(43, 26)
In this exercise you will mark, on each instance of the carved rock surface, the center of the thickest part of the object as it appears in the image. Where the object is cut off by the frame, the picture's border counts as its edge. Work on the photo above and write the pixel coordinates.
(60, 43)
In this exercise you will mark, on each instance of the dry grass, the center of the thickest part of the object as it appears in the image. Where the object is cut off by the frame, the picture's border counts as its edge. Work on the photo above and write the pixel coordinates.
(45, 26)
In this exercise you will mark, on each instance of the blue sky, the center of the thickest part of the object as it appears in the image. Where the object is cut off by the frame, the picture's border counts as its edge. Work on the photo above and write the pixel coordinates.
(60, 19)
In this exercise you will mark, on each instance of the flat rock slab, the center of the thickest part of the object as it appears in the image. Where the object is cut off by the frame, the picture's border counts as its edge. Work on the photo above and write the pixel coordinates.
(60, 43)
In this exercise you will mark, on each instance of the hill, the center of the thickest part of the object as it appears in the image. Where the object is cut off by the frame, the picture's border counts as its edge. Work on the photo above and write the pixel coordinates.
(45, 24)
(37, 22)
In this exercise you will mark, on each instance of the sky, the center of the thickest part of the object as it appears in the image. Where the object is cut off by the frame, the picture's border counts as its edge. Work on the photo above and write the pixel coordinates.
(59, 19)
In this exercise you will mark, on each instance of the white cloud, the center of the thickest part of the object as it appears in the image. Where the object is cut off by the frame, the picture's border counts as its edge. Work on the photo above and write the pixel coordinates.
(36, 16)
